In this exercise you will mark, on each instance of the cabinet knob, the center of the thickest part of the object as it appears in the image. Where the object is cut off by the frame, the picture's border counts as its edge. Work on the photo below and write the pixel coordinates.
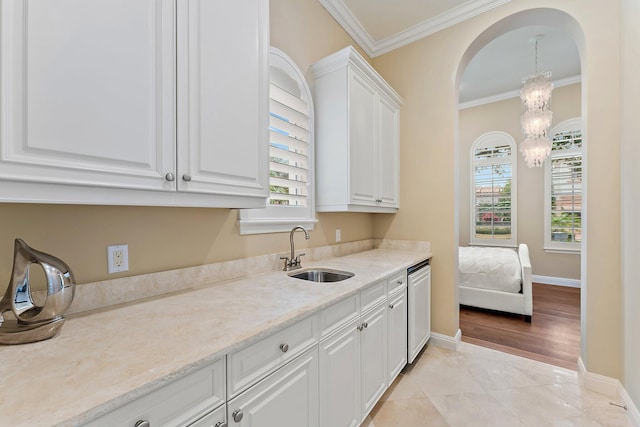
(360, 327)
(142, 423)
(400, 282)
(391, 306)
(284, 347)
(170, 177)
(379, 200)
(365, 324)
(221, 424)
(186, 177)
(237, 415)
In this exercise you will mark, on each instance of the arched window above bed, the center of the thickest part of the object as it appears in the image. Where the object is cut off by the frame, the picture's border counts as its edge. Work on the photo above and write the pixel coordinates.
(493, 195)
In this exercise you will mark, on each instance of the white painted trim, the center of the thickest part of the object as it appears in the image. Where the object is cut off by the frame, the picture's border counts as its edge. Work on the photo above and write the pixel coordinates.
(446, 341)
(558, 281)
(610, 387)
(374, 48)
(596, 382)
(515, 93)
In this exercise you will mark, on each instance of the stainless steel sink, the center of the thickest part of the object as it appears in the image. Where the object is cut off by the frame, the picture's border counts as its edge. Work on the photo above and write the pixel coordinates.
(322, 275)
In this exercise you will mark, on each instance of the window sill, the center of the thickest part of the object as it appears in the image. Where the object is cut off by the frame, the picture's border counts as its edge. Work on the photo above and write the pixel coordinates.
(552, 250)
(260, 226)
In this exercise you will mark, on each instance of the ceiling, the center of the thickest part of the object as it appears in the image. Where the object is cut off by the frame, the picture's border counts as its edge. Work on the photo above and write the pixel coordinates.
(495, 72)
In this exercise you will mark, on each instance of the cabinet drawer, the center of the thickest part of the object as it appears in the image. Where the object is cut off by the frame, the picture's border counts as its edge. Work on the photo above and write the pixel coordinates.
(339, 314)
(396, 282)
(177, 404)
(250, 364)
(373, 295)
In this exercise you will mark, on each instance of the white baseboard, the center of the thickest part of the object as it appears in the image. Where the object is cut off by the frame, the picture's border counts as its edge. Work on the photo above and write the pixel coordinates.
(446, 341)
(558, 281)
(611, 387)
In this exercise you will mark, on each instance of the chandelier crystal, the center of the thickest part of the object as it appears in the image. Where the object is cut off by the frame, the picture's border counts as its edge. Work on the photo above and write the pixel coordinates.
(536, 118)
(535, 150)
(536, 91)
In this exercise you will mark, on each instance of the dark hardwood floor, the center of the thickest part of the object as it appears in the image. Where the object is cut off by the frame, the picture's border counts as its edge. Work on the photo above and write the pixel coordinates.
(553, 336)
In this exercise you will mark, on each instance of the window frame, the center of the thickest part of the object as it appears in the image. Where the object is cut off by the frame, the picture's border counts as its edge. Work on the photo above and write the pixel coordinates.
(487, 140)
(565, 126)
(276, 219)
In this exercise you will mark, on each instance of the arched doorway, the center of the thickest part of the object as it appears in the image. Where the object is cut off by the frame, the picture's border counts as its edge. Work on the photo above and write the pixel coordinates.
(535, 20)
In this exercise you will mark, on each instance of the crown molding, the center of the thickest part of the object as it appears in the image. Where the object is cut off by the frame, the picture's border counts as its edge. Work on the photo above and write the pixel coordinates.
(514, 93)
(374, 48)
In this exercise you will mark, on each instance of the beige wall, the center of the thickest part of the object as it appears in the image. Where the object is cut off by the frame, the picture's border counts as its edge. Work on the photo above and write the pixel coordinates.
(425, 72)
(505, 116)
(166, 238)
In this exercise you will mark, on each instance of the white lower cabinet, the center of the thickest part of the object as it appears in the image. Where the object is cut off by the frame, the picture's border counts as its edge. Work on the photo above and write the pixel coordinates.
(326, 370)
(180, 403)
(373, 355)
(353, 361)
(340, 377)
(288, 397)
(419, 314)
(397, 333)
(215, 418)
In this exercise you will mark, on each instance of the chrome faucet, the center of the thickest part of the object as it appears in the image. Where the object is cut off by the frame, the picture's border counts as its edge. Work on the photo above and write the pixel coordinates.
(293, 262)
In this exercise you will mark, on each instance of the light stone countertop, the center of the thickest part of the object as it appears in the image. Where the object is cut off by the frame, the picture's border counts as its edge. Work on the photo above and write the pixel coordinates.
(104, 358)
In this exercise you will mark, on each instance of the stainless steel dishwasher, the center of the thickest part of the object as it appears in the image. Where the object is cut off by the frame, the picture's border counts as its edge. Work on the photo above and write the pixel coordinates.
(419, 315)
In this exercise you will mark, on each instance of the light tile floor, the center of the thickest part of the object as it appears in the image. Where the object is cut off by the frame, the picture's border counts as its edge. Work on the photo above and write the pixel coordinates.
(477, 386)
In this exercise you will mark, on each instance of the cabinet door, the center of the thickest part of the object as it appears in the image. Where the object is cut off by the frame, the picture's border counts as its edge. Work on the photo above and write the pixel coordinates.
(288, 397)
(223, 97)
(88, 96)
(340, 378)
(373, 347)
(389, 153)
(212, 419)
(419, 294)
(397, 321)
(362, 139)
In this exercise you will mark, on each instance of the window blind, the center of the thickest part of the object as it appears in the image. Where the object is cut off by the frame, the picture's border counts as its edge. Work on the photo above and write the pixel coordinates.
(288, 148)
(566, 187)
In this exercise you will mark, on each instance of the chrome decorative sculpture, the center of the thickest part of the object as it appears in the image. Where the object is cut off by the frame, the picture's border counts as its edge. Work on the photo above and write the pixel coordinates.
(29, 322)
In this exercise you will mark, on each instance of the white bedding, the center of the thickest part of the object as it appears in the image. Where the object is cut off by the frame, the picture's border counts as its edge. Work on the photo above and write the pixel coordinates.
(490, 268)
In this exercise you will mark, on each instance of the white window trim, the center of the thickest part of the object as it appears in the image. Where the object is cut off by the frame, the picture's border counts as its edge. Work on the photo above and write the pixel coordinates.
(270, 219)
(549, 245)
(486, 140)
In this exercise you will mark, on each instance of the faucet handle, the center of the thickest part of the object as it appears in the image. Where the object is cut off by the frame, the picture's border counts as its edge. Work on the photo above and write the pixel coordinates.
(297, 261)
(287, 262)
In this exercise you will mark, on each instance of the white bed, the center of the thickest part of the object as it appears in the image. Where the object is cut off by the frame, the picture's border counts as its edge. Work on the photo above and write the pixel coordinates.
(496, 279)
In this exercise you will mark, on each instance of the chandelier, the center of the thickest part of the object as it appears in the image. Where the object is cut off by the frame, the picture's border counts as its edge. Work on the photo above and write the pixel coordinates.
(536, 118)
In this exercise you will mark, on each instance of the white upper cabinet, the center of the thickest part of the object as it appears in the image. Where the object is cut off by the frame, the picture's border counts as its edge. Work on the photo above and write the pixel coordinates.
(95, 109)
(223, 97)
(357, 136)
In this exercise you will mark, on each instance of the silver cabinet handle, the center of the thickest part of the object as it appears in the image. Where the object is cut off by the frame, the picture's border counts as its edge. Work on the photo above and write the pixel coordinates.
(391, 306)
(237, 415)
(170, 177)
(284, 347)
(142, 423)
(221, 424)
(186, 177)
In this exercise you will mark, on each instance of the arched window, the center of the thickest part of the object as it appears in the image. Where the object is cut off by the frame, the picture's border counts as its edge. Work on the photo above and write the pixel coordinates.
(493, 195)
(563, 188)
(291, 200)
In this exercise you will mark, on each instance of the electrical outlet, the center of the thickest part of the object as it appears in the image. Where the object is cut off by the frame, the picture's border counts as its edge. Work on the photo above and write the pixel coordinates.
(117, 258)
(338, 235)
